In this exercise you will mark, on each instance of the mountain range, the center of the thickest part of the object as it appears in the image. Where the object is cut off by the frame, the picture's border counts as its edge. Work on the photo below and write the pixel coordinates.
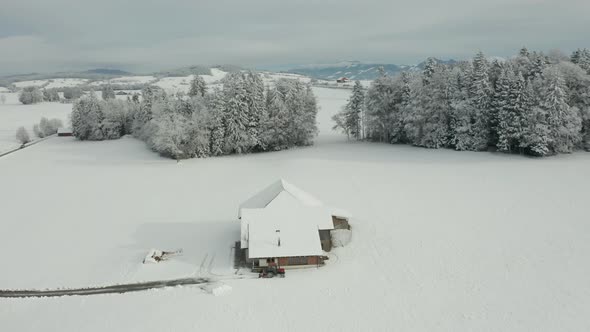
(355, 70)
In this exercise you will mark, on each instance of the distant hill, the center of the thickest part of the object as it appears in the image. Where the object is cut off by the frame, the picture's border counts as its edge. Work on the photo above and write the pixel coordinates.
(113, 72)
(355, 70)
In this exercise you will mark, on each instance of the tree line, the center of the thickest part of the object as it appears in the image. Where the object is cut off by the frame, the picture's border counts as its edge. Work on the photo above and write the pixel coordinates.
(242, 116)
(532, 104)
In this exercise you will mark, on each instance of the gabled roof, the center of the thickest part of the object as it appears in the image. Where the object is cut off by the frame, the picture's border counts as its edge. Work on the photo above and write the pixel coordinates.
(296, 228)
(268, 194)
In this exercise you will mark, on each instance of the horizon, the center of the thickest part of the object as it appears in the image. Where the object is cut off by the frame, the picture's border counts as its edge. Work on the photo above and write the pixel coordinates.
(143, 37)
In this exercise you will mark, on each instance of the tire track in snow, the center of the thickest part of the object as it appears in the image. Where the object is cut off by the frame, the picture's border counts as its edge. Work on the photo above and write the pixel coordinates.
(115, 289)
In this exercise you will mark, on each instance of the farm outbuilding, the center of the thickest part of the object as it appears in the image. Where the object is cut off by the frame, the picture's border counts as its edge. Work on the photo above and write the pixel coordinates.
(285, 226)
(64, 132)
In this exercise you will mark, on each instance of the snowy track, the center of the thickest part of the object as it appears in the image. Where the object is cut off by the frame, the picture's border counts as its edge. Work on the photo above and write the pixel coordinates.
(117, 289)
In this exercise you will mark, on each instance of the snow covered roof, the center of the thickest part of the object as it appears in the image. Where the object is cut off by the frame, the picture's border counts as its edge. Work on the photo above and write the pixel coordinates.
(268, 194)
(62, 130)
(295, 225)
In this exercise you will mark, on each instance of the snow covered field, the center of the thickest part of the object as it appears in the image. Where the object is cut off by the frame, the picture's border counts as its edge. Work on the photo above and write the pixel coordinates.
(13, 114)
(442, 240)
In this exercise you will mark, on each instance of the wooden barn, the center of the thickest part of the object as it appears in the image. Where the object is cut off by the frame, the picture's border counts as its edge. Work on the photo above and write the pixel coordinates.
(285, 226)
(64, 132)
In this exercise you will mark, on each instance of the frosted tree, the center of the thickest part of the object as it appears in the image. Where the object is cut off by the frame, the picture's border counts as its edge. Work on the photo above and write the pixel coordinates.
(480, 95)
(428, 71)
(428, 120)
(216, 124)
(256, 106)
(30, 95)
(535, 135)
(168, 132)
(499, 100)
(87, 116)
(511, 114)
(71, 93)
(2, 99)
(236, 114)
(581, 57)
(564, 121)
(108, 92)
(384, 120)
(37, 131)
(350, 118)
(538, 64)
(50, 95)
(22, 136)
(117, 118)
(197, 87)
(275, 125)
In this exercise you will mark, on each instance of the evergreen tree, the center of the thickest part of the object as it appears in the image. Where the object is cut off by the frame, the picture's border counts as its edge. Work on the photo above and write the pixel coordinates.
(87, 116)
(197, 87)
(354, 110)
(564, 122)
(108, 92)
(480, 92)
(428, 71)
(511, 115)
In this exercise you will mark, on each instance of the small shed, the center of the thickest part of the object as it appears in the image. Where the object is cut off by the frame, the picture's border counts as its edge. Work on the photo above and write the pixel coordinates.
(64, 132)
(343, 80)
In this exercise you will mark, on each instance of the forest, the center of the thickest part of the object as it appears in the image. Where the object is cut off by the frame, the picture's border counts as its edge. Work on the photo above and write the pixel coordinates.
(532, 103)
(240, 117)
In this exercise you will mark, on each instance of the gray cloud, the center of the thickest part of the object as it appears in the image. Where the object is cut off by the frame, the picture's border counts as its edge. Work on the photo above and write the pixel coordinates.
(147, 35)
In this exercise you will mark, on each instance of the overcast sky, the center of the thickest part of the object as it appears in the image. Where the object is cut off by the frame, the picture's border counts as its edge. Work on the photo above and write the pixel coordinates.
(146, 35)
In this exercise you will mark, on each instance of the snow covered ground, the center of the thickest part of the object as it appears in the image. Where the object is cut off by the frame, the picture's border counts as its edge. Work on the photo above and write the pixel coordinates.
(52, 83)
(13, 114)
(442, 240)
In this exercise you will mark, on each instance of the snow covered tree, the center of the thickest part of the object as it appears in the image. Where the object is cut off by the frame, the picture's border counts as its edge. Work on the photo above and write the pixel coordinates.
(275, 125)
(427, 122)
(167, 129)
(71, 93)
(50, 95)
(30, 95)
(564, 122)
(349, 118)
(516, 102)
(22, 136)
(108, 92)
(383, 113)
(87, 116)
(237, 114)
(216, 125)
(197, 87)
(429, 68)
(2, 99)
(480, 92)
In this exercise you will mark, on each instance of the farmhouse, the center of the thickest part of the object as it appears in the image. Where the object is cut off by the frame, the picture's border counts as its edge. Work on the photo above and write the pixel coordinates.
(343, 80)
(285, 226)
(64, 132)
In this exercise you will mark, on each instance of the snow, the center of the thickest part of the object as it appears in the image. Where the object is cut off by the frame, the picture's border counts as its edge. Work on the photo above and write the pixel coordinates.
(216, 76)
(133, 79)
(24, 84)
(3, 89)
(52, 83)
(65, 82)
(442, 240)
(13, 114)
